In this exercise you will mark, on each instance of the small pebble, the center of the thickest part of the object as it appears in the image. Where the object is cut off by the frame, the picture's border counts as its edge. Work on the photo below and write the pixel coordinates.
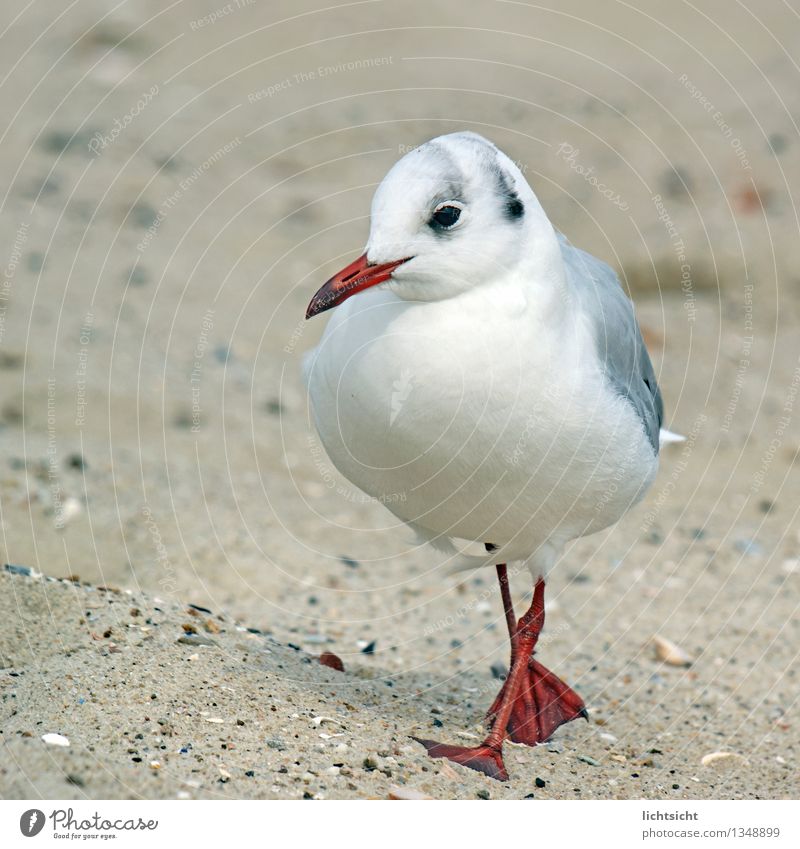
(76, 461)
(499, 671)
(369, 648)
(749, 547)
(71, 508)
(777, 143)
(670, 653)
(332, 661)
(195, 640)
(720, 757)
(55, 739)
(587, 760)
(407, 794)
(540, 782)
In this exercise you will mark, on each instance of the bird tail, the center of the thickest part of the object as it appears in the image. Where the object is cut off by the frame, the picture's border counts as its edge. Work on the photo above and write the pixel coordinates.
(457, 560)
(667, 437)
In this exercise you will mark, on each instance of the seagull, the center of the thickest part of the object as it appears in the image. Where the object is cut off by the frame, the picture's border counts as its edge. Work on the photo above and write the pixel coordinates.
(488, 383)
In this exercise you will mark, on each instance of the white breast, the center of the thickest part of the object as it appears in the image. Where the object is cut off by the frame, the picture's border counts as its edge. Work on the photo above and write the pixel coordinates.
(472, 419)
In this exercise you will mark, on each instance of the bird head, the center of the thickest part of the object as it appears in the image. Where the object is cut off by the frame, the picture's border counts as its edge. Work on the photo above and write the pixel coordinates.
(450, 215)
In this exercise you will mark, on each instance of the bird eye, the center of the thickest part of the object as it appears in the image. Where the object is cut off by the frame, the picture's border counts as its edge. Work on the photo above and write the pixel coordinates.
(446, 216)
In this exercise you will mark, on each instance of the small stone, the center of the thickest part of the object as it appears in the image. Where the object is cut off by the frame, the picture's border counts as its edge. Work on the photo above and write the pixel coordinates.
(483, 794)
(777, 143)
(18, 570)
(499, 671)
(143, 215)
(448, 772)
(750, 547)
(407, 794)
(677, 182)
(670, 653)
(790, 566)
(467, 735)
(215, 719)
(332, 661)
(719, 758)
(369, 763)
(55, 739)
(195, 640)
(587, 760)
(76, 461)
(71, 508)
(540, 782)
(369, 648)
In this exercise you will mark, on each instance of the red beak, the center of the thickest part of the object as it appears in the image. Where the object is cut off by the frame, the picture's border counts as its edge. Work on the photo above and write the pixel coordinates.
(356, 277)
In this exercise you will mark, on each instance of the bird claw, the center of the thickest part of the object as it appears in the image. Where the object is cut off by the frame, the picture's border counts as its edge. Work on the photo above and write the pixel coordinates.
(484, 758)
(543, 705)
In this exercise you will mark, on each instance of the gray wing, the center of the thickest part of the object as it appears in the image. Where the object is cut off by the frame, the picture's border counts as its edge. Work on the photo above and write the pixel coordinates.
(620, 345)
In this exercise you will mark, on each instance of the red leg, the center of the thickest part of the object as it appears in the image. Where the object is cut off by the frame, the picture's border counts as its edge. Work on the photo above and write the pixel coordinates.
(508, 606)
(532, 703)
(543, 703)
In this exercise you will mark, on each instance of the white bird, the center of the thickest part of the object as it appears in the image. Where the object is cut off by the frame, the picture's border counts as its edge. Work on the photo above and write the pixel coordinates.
(488, 383)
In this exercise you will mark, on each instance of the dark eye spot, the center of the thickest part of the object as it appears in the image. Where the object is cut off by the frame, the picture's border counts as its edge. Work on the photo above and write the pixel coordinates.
(514, 207)
(446, 216)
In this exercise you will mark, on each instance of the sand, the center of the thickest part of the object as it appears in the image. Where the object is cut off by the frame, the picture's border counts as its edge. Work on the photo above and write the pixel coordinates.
(156, 447)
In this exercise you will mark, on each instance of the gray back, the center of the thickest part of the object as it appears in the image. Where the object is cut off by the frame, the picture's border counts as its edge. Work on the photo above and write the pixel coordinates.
(620, 345)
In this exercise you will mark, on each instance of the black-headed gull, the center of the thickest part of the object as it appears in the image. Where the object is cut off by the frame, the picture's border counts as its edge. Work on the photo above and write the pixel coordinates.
(489, 383)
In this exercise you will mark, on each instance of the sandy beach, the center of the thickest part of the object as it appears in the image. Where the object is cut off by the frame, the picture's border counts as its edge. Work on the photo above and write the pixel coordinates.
(179, 181)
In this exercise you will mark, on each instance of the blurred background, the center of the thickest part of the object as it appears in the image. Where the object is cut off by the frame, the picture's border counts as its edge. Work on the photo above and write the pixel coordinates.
(180, 178)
